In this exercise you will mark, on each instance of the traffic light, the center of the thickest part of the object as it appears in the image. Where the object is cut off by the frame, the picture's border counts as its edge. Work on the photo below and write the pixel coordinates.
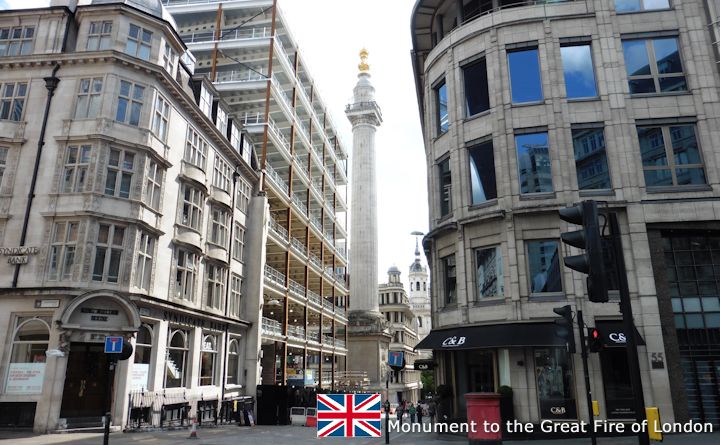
(564, 327)
(591, 262)
(594, 341)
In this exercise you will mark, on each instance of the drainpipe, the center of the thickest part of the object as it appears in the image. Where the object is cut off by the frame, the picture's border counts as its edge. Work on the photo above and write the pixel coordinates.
(228, 283)
(51, 84)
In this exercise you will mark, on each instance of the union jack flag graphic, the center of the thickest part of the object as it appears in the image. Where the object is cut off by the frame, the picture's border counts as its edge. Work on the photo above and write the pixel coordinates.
(348, 415)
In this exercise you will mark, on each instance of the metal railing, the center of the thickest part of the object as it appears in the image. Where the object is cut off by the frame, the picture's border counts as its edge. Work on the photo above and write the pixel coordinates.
(245, 75)
(270, 326)
(327, 305)
(228, 35)
(278, 229)
(297, 244)
(275, 276)
(300, 126)
(315, 221)
(313, 334)
(315, 260)
(314, 297)
(297, 288)
(339, 343)
(283, 51)
(275, 176)
(282, 93)
(298, 202)
(328, 340)
(296, 331)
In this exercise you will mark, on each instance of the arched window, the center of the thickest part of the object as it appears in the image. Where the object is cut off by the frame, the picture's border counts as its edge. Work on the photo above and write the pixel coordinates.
(233, 363)
(207, 360)
(176, 362)
(27, 360)
(143, 344)
(417, 285)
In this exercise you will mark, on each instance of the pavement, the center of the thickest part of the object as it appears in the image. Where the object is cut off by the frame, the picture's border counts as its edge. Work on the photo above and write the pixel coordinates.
(298, 435)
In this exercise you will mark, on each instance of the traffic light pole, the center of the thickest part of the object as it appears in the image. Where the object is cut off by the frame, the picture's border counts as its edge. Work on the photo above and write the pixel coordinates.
(588, 390)
(628, 327)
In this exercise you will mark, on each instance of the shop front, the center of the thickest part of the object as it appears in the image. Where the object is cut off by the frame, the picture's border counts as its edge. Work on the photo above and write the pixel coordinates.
(525, 357)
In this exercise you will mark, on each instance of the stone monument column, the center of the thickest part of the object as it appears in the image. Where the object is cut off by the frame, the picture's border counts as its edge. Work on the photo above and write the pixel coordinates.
(368, 337)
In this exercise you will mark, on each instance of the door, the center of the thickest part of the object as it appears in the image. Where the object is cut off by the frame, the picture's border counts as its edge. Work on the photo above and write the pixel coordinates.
(88, 382)
(619, 400)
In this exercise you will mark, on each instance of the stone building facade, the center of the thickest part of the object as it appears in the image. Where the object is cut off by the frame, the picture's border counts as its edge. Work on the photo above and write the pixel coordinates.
(530, 107)
(402, 325)
(248, 52)
(130, 208)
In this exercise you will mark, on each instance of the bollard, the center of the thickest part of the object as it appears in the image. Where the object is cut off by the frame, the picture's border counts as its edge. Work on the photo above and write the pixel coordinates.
(106, 432)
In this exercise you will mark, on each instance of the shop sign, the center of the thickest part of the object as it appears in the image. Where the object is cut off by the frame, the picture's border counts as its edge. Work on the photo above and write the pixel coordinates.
(187, 320)
(25, 378)
(424, 365)
(139, 376)
(618, 338)
(557, 408)
(18, 255)
(453, 341)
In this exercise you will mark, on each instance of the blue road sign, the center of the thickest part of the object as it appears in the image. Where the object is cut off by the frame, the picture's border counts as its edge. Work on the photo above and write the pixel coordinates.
(113, 345)
(395, 358)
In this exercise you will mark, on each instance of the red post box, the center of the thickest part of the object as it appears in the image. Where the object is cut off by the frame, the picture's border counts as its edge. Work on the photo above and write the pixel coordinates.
(483, 408)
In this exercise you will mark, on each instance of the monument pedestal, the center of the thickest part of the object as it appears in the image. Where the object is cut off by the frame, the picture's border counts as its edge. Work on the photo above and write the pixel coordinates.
(368, 344)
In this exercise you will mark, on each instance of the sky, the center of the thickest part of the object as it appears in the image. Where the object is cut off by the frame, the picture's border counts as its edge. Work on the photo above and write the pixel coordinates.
(330, 34)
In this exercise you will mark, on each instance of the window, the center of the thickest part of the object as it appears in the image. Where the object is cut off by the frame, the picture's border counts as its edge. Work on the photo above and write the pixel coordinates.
(489, 272)
(525, 83)
(221, 120)
(238, 242)
(477, 98)
(578, 69)
(420, 322)
(153, 185)
(16, 41)
(3, 162)
(62, 250)
(12, 101)
(143, 345)
(424, 286)
(130, 102)
(77, 162)
(144, 265)
(534, 163)
(89, 98)
(448, 264)
(195, 149)
(216, 276)
(235, 294)
(219, 227)
(30, 341)
(243, 195)
(222, 174)
(177, 358)
(445, 187)
(640, 5)
(544, 266)
(591, 163)
(441, 108)
(121, 165)
(161, 117)
(208, 353)
(186, 265)
(233, 363)
(417, 285)
(108, 253)
(654, 65)
(206, 101)
(192, 207)
(670, 156)
(99, 36)
(169, 57)
(139, 42)
(482, 173)
(554, 379)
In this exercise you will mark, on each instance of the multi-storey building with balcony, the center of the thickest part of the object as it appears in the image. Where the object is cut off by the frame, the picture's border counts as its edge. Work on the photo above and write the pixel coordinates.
(246, 49)
(528, 107)
(402, 326)
(129, 213)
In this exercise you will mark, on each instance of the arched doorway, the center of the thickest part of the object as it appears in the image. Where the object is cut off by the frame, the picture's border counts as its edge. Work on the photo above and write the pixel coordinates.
(90, 374)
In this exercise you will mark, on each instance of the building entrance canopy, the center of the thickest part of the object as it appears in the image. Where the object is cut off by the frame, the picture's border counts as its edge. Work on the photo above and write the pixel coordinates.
(492, 336)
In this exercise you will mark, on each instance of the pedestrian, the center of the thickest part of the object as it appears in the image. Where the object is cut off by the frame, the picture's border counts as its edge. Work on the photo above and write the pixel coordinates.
(431, 411)
(399, 412)
(412, 410)
(419, 413)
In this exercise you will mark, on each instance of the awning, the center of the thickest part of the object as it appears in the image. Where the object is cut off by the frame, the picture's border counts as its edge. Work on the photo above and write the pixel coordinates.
(613, 334)
(492, 336)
